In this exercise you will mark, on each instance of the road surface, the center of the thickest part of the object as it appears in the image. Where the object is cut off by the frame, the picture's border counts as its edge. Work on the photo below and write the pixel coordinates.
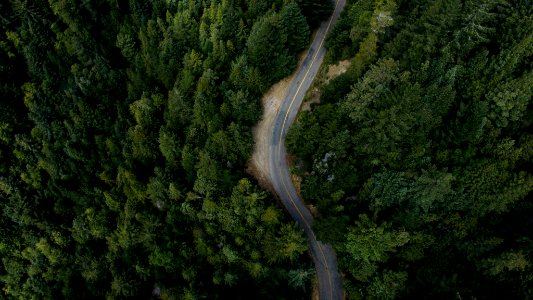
(329, 281)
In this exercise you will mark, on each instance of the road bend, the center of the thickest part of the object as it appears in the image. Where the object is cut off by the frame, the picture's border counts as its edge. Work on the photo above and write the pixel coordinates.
(329, 281)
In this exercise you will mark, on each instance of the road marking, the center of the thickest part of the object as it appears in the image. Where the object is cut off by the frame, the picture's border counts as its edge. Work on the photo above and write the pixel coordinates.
(281, 139)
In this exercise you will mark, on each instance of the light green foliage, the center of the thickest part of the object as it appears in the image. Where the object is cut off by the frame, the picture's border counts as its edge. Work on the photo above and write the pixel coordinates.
(427, 191)
(368, 245)
(388, 286)
(509, 261)
(298, 278)
(509, 100)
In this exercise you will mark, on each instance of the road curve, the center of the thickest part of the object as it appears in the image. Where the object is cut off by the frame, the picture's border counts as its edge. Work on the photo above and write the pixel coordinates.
(329, 281)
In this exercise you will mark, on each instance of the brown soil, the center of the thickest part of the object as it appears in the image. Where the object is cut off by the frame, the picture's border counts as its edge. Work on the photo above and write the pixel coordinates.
(271, 101)
(336, 70)
(313, 210)
(258, 164)
(313, 97)
(297, 182)
(314, 293)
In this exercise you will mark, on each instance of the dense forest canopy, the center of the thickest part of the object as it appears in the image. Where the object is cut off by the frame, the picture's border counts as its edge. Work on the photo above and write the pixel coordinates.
(124, 130)
(420, 157)
(125, 127)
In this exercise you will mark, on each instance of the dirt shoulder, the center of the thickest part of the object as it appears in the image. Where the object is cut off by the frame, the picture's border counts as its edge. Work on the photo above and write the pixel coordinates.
(271, 101)
(262, 132)
(257, 166)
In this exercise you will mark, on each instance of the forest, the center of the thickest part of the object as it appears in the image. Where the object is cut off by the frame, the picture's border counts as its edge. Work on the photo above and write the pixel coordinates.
(419, 158)
(125, 127)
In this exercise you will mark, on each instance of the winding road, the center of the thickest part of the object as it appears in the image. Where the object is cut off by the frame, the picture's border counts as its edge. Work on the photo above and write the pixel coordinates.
(329, 281)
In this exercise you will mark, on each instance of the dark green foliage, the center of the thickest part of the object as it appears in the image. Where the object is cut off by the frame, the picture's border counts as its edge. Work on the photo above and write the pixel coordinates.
(316, 11)
(274, 40)
(337, 89)
(350, 29)
(294, 27)
(125, 127)
(419, 157)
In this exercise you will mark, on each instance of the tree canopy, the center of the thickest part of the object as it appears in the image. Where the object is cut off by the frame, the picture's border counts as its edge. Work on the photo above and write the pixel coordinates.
(419, 157)
(124, 130)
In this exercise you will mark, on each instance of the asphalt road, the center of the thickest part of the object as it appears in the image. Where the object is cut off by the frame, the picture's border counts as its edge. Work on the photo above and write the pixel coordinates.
(329, 281)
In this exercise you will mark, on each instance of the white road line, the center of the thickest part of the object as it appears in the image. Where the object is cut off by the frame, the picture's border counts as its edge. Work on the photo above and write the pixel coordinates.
(281, 139)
